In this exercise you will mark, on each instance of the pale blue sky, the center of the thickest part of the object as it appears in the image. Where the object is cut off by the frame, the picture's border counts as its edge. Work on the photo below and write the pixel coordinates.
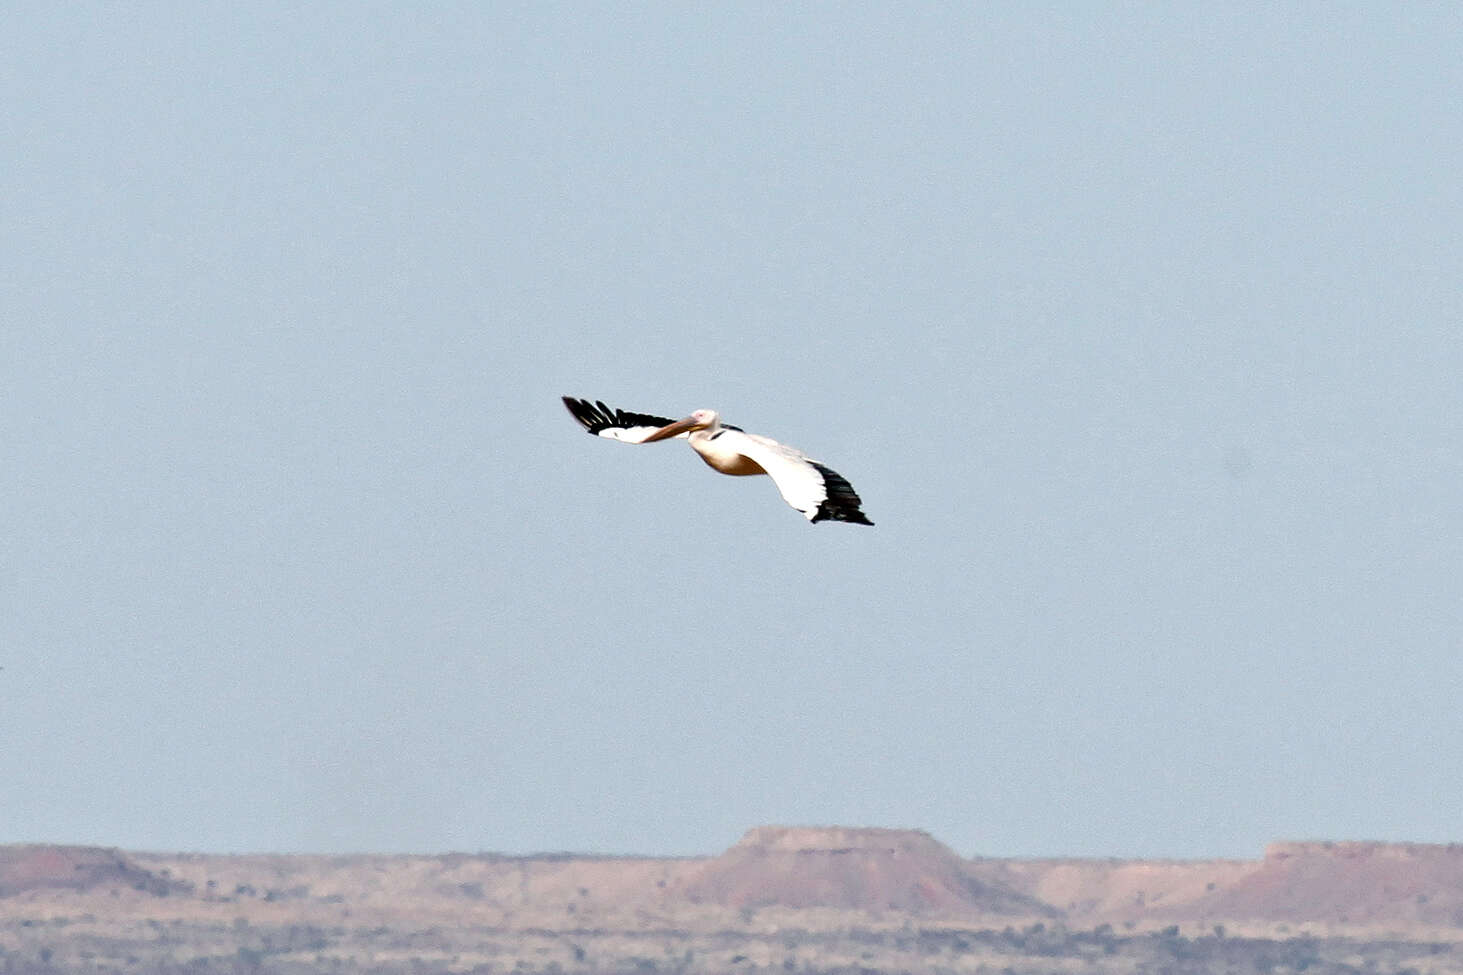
(1136, 326)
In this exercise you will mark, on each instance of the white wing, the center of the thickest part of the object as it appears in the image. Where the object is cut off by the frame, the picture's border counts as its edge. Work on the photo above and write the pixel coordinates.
(620, 425)
(819, 492)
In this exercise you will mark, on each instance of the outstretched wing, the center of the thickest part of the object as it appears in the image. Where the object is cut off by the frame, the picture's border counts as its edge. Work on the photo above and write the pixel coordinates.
(819, 492)
(622, 425)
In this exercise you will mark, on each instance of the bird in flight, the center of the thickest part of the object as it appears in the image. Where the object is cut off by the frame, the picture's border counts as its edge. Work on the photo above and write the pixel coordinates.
(820, 493)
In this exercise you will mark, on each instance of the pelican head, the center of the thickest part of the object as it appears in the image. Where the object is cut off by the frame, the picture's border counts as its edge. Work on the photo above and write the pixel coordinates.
(700, 420)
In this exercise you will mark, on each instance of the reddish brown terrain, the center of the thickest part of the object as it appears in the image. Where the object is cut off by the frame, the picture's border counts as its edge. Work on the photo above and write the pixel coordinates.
(784, 899)
(851, 869)
(79, 868)
(1349, 883)
(1332, 883)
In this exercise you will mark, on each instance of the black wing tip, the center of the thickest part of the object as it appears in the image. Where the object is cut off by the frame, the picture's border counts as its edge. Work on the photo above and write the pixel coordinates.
(592, 418)
(599, 415)
(842, 501)
(849, 516)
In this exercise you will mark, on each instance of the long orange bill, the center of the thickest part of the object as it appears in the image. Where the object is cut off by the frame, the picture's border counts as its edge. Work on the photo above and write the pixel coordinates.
(680, 426)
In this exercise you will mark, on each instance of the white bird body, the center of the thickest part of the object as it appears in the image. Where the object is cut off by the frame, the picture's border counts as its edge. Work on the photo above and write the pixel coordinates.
(727, 450)
(821, 494)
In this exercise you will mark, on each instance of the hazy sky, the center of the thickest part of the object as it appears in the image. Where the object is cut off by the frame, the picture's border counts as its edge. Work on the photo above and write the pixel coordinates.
(1139, 328)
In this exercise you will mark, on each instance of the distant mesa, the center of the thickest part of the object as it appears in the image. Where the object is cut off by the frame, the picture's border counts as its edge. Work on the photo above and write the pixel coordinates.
(852, 869)
(36, 867)
(875, 871)
(1349, 882)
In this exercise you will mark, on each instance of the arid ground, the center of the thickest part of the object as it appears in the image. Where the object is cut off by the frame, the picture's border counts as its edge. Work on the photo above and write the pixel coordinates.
(784, 899)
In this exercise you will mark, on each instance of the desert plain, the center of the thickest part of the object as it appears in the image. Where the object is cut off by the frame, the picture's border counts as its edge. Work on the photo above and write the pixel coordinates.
(782, 899)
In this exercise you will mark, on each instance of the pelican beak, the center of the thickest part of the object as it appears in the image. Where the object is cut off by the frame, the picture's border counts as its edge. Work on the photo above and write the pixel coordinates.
(680, 426)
